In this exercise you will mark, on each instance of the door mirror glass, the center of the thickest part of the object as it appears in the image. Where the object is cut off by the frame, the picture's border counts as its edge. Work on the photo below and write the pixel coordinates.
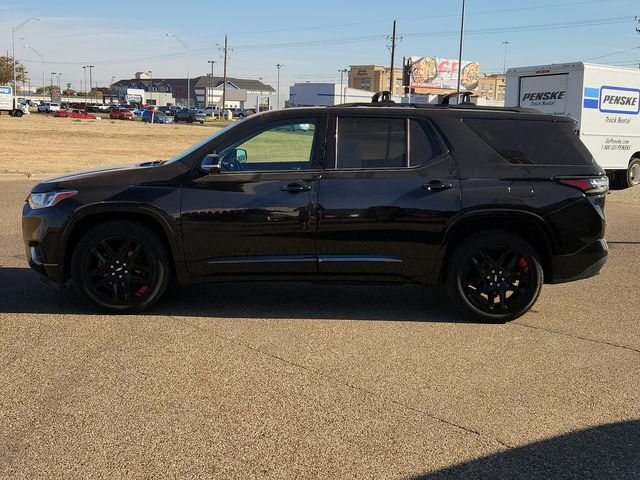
(211, 164)
(241, 155)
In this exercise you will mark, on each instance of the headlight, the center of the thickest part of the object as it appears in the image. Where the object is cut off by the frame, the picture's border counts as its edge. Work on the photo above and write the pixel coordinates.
(49, 199)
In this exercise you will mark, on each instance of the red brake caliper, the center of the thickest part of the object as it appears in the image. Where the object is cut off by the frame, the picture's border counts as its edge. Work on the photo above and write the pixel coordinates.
(141, 291)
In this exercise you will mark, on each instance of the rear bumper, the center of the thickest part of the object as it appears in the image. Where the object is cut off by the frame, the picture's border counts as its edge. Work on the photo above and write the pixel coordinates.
(580, 265)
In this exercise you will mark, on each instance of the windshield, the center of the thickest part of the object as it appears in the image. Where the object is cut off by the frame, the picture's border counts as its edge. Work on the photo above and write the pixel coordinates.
(205, 141)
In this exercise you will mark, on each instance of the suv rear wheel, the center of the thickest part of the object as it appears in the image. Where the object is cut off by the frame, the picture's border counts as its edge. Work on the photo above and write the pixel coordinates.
(494, 276)
(121, 266)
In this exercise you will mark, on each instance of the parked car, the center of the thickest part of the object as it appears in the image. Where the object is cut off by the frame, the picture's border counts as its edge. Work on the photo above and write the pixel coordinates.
(189, 115)
(75, 113)
(212, 111)
(34, 103)
(152, 116)
(138, 112)
(489, 202)
(48, 107)
(236, 112)
(121, 114)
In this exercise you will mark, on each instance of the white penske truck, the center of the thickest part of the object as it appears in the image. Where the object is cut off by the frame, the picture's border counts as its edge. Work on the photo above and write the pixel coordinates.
(604, 100)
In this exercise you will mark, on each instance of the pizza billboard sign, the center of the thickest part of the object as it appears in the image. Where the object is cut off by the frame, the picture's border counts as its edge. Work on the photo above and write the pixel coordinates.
(434, 72)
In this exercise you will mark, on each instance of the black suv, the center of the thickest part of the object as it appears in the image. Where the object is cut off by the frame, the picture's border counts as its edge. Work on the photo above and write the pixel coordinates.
(491, 203)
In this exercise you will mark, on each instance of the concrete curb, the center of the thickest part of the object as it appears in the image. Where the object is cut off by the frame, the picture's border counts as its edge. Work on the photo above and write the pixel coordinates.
(34, 177)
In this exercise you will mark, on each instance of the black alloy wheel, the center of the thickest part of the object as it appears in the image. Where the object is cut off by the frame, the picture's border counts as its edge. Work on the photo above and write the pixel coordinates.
(495, 276)
(121, 266)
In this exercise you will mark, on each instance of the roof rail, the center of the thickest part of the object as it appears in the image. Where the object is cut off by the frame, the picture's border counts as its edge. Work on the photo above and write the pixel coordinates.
(384, 94)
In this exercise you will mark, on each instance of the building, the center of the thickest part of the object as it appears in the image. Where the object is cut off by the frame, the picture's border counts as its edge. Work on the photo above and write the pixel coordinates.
(240, 92)
(326, 94)
(205, 90)
(491, 87)
(375, 78)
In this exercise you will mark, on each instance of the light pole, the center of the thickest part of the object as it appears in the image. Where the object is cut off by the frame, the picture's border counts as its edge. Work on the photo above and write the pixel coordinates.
(342, 72)
(91, 67)
(210, 85)
(186, 47)
(150, 86)
(13, 50)
(59, 75)
(51, 85)
(85, 85)
(41, 61)
(278, 66)
(504, 68)
(461, 42)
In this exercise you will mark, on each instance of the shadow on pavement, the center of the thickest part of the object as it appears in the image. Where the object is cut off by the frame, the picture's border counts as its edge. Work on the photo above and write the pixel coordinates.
(610, 451)
(24, 291)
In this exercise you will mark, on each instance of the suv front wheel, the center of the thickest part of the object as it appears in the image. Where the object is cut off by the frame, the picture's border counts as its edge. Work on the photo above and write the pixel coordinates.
(494, 276)
(121, 266)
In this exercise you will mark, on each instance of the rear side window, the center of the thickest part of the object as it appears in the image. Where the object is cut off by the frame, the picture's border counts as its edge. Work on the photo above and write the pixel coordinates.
(423, 143)
(372, 143)
(531, 142)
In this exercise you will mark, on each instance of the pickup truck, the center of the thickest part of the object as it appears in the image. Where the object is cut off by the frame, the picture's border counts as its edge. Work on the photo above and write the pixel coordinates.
(189, 115)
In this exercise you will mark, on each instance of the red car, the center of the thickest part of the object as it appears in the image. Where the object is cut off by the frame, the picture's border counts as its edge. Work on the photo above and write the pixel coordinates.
(121, 113)
(74, 114)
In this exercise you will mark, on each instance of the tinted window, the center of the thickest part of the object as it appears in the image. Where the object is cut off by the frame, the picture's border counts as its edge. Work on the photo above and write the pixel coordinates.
(423, 143)
(371, 143)
(287, 146)
(530, 141)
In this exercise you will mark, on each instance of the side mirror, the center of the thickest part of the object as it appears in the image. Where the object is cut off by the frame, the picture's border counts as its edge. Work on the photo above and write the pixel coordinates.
(211, 164)
(241, 155)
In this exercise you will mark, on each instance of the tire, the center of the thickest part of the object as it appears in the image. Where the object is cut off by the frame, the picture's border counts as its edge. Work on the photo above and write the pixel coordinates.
(176, 119)
(120, 267)
(18, 113)
(631, 177)
(494, 265)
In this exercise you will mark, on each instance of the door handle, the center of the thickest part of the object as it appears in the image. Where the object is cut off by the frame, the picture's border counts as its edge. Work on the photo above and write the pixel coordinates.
(295, 188)
(437, 186)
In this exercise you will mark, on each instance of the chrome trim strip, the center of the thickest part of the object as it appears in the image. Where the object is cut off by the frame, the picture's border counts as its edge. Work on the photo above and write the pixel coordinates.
(262, 259)
(357, 258)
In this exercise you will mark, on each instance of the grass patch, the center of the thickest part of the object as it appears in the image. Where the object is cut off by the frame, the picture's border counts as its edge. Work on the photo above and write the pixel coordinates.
(280, 146)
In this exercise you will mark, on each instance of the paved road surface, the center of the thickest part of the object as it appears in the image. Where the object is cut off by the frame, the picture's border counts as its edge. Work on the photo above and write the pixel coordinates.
(303, 381)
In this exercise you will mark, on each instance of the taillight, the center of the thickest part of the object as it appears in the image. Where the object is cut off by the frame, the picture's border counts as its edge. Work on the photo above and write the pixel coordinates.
(588, 185)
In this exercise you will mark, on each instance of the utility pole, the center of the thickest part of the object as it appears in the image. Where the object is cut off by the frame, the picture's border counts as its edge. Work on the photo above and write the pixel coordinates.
(504, 68)
(342, 72)
(209, 84)
(84, 68)
(59, 75)
(393, 53)
(13, 54)
(461, 43)
(278, 66)
(90, 78)
(224, 79)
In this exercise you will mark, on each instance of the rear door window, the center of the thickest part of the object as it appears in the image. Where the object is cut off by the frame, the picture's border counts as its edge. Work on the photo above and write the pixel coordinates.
(371, 143)
(531, 142)
(423, 143)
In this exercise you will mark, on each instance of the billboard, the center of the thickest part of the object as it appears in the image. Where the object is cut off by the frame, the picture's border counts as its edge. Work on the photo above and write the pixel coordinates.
(434, 72)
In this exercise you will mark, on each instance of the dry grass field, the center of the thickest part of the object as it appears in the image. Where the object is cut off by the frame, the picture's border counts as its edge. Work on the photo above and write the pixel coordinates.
(39, 143)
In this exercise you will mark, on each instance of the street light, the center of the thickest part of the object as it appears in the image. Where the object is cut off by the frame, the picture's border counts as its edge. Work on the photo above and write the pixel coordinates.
(210, 85)
(342, 95)
(186, 47)
(13, 49)
(84, 68)
(41, 61)
(461, 42)
(278, 66)
(504, 68)
(51, 84)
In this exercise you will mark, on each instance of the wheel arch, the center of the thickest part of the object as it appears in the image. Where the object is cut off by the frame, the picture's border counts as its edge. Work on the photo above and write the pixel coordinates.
(529, 226)
(75, 230)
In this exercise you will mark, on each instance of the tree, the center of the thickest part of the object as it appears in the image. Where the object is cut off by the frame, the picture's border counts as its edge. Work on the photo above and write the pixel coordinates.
(6, 71)
(43, 90)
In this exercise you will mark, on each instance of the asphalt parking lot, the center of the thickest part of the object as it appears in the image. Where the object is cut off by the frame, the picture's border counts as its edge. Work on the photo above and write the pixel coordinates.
(308, 381)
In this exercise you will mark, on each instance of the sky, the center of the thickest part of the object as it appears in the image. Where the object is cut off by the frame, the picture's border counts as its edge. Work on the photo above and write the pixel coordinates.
(312, 40)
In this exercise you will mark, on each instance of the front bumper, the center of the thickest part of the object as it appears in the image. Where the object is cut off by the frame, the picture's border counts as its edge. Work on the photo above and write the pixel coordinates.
(585, 263)
(41, 232)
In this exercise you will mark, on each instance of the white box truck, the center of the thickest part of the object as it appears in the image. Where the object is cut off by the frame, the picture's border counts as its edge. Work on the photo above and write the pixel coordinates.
(8, 103)
(604, 100)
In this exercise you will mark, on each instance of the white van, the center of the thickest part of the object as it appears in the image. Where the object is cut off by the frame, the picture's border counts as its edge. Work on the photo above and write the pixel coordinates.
(604, 100)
